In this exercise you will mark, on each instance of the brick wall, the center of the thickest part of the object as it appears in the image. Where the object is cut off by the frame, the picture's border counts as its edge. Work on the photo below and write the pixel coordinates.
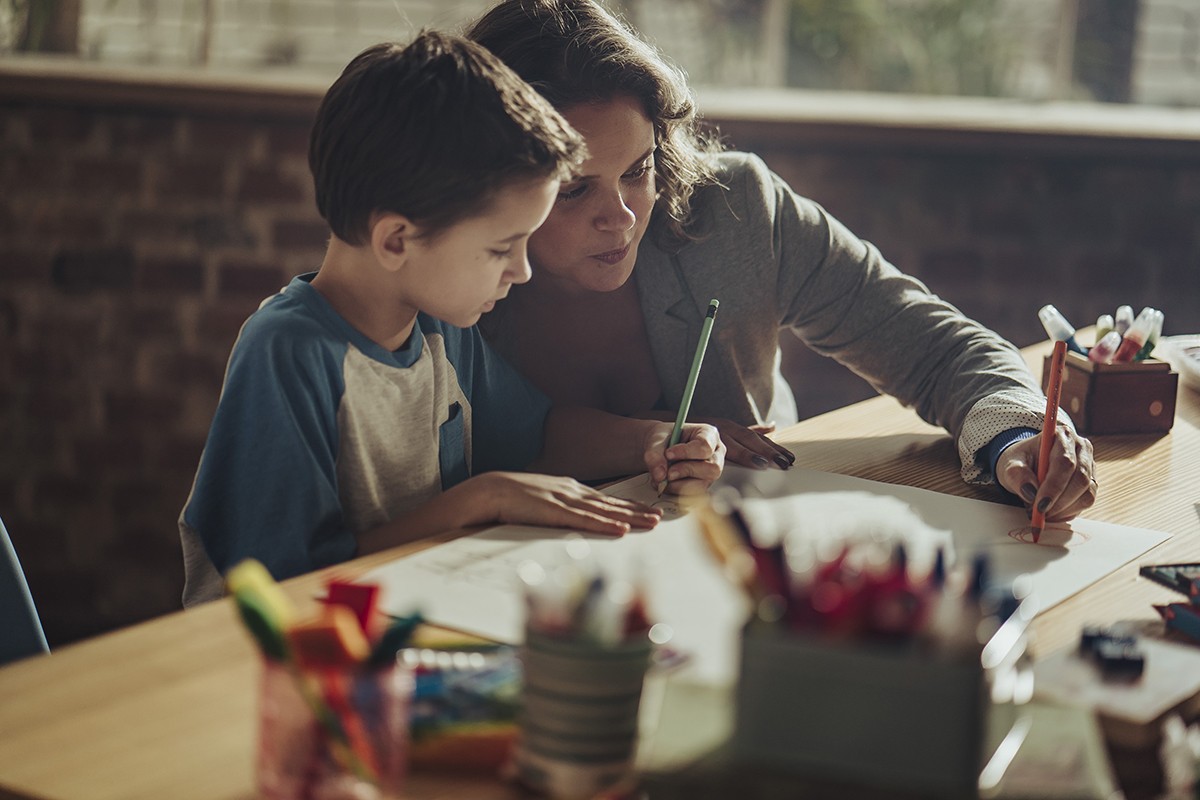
(134, 240)
(140, 225)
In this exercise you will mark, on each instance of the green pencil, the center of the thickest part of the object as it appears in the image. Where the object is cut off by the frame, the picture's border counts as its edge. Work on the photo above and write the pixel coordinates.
(690, 387)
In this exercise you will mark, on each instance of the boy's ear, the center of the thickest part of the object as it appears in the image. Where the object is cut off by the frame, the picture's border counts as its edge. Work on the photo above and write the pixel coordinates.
(392, 236)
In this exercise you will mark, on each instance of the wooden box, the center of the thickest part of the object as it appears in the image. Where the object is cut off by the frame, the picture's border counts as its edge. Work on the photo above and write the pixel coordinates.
(1134, 397)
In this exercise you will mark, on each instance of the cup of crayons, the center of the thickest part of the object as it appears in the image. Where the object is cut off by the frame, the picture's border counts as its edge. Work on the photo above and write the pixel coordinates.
(851, 650)
(333, 703)
(587, 648)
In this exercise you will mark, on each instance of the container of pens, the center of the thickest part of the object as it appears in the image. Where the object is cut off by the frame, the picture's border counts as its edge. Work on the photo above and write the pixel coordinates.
(1116, 385)
(333, 710)
(586, 652)
(332, 732)
(859, 667)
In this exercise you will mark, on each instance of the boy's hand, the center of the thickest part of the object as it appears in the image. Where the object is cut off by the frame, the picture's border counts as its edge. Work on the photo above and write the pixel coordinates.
(1070, 486)
(689, 467)
(520, 498)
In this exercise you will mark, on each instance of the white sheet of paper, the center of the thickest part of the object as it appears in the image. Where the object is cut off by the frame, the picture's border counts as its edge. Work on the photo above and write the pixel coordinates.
(470, 584)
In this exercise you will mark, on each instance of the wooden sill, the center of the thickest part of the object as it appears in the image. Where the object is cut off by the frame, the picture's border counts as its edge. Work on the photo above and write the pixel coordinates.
(749, 117)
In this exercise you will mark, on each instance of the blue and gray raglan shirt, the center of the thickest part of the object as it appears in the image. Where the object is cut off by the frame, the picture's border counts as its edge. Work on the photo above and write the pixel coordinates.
(320, 433)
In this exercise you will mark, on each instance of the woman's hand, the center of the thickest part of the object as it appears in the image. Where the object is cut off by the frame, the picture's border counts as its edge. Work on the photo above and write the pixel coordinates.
(521, 498)
(750, 447)
(1070, 485)
(689, 467)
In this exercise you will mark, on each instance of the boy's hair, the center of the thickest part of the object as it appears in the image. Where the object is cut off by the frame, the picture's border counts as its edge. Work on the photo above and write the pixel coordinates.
(432, 131)
(574, 51)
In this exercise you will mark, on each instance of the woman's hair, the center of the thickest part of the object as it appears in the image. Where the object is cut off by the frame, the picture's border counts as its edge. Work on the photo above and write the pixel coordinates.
(432, 130)
(574, 51)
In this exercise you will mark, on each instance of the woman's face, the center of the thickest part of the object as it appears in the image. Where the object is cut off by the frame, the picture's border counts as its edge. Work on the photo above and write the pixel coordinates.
(590, 240)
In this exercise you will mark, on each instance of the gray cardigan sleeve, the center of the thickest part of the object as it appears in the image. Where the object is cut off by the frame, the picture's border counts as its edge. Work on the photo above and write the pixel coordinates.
(844, 300)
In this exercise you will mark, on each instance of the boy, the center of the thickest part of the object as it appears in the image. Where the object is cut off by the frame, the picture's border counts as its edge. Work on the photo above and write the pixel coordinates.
(355, 414)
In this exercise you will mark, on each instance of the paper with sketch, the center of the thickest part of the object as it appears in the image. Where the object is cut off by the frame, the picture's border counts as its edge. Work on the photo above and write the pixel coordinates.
(470, 584)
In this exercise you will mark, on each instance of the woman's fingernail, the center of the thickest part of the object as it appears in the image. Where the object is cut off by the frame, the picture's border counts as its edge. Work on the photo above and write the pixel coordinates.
(1044, 504)
(782, 462)
(760, 462)
(1029, 491)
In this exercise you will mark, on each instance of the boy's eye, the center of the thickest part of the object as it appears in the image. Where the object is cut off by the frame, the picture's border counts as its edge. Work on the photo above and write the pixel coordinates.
(501, 253)
(573, 192)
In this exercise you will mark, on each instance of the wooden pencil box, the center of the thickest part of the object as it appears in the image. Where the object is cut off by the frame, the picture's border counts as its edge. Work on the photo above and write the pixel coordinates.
(1133, 397)
(860, 713)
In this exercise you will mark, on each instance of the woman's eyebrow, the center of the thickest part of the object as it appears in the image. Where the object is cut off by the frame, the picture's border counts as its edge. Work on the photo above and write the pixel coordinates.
(636, 161)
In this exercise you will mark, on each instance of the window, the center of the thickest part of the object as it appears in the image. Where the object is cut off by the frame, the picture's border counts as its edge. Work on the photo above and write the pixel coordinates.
(1127, 51)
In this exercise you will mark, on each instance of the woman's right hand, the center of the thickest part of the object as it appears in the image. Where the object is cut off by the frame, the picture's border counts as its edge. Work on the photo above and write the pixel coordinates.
(557, 502)
(750, 447)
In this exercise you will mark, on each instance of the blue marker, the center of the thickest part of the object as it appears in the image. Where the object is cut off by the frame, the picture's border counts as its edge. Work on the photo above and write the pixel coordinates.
(1058, 329)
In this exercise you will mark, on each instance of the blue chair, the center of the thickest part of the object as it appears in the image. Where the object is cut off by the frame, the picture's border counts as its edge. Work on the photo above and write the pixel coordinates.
(20, 629)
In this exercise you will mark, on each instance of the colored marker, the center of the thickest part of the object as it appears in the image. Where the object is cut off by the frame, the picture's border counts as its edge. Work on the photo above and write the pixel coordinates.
(1104, 324)
(1152, 339)
(358, 597)
(1104, 350)
(1053, 393)
(690, 387)
(1135, 337)
(1058, 329)
(1123, 319)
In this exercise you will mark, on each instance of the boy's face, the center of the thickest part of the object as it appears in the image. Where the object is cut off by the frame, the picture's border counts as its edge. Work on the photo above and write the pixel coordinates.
(460, 273)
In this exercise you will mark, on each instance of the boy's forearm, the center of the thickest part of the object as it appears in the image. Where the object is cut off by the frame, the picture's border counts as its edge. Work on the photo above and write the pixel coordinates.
(586, 444)
(457, 507)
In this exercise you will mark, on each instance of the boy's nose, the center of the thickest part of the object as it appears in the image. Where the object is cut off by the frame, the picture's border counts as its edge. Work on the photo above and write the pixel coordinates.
(521, 271)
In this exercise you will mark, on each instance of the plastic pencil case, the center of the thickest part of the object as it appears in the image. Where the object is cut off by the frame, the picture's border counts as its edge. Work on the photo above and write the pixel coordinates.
(862, 713)
(464, 707)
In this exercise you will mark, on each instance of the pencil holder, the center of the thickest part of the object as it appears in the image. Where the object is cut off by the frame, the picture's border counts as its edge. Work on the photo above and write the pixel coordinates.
(579, 713)
(332, 732)
(862, 713)
(1131, 397)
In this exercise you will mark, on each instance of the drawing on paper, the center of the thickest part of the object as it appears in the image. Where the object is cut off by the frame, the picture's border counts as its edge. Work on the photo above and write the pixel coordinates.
(1051, 536)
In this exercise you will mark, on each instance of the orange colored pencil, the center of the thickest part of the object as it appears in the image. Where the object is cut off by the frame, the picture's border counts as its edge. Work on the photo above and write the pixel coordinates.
(1053, 393)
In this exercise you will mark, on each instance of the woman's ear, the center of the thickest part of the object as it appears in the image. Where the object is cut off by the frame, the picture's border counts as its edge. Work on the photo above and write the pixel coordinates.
(392, 236)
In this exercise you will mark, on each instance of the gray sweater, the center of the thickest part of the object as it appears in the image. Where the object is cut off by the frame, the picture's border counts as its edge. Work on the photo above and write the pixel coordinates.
(777, 261)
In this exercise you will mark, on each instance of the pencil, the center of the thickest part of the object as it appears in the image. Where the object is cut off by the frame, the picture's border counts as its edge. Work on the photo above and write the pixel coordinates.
(1053, 393)
(690, 387)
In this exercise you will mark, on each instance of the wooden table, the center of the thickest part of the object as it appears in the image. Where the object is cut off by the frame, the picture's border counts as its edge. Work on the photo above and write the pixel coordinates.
(166, 709)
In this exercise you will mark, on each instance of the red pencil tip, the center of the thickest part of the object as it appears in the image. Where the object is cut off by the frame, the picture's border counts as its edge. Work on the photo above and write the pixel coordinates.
(1037, 534)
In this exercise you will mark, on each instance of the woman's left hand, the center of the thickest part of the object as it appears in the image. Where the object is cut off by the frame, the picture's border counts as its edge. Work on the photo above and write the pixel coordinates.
(1070, 486)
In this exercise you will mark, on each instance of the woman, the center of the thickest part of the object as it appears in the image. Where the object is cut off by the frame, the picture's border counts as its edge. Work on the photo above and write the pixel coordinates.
(659, 222)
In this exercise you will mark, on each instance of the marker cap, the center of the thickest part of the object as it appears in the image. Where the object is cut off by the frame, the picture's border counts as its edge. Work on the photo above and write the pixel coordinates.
(1104, 350)
(1056, 325)
(1124, 318)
